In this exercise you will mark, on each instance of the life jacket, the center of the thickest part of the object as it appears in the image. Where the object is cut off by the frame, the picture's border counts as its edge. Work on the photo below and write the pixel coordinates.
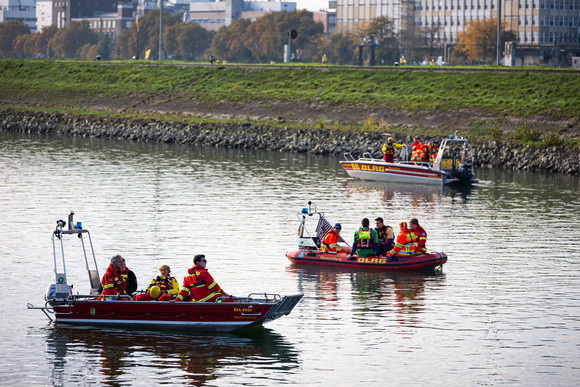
(389, 149)
(329, 241)
(365, 238)
(404, 245)
(419, 237)
(113, 282)
(433, 151)
(417, 154)
(164, 283)
(382, 233)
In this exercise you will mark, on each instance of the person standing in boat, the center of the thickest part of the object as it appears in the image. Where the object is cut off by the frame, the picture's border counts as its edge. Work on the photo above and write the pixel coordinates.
(389, 150)
(404, 245)
(385, 234)
(330, 240)
(114, 281)
(162, 288)
(366, 241)
(198, 284)
(419, 236)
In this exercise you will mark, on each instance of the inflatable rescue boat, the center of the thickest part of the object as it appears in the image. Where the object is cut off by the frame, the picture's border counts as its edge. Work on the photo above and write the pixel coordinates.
(224, 315)
(309, 251)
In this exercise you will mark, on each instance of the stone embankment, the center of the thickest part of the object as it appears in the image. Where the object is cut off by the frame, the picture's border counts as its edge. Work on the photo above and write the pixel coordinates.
(249, 136)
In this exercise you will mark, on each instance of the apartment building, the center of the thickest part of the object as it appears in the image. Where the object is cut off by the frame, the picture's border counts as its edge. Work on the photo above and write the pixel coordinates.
(540, 25)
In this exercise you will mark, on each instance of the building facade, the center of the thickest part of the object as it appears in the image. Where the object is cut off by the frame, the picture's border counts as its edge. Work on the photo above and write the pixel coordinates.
(542, 25)
(19, 10)
(214, 14)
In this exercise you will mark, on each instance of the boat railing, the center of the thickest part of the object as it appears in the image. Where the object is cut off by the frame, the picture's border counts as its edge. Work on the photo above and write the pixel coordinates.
(417, 163)
(284, 307)
(349, 157)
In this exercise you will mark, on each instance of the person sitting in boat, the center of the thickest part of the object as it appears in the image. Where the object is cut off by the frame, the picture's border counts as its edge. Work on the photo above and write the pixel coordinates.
(330, 240)
(419, 236)
(199, 285)
(404, 245)
(162, 288)
(114, 281)
(366, 241)
(389, 150)
(385, 234)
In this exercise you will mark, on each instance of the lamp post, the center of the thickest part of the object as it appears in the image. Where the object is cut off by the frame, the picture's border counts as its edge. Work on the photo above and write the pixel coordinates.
(498, 32)
(160, 29)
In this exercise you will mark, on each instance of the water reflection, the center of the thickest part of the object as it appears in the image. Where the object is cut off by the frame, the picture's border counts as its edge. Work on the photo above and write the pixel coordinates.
(126, 356)
(398, 297)
(415, 195)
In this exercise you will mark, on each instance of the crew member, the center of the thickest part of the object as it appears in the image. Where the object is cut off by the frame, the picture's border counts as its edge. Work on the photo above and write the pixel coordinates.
(417, 152)
(404, 245)
(114, 281)
(366, 241)
(389, 150)
(385, 234)
(434, 149)
(330, 240)
(162, 288)
(419, 237)
(198, 284)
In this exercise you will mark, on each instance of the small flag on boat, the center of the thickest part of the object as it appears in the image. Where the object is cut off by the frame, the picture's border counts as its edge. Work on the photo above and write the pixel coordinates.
(323, 227)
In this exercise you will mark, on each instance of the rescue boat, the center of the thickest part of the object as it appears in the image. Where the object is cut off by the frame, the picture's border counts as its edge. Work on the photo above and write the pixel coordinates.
(225, 315)
(450, 167)
(309, 251)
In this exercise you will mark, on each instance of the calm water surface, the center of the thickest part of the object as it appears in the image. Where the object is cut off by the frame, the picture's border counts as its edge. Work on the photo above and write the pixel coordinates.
(504, 311)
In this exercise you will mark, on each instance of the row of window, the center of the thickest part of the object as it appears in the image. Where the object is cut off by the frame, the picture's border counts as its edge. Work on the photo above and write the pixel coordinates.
(545, 20)
(543, 4)
(96, 24)
(209, 21)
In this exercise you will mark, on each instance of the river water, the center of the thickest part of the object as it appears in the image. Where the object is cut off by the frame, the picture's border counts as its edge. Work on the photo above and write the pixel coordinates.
(504, 310)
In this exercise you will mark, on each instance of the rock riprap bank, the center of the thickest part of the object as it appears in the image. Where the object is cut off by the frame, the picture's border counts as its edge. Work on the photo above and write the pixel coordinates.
(265, 137)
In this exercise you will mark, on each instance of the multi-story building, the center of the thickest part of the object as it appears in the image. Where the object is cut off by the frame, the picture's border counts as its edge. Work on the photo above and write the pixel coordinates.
(43, 14)
(539, 25)
(214, 14)
(19, 10)
(328, 20)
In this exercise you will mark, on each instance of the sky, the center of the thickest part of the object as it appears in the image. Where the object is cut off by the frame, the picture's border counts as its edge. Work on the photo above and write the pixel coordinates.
(311, 5)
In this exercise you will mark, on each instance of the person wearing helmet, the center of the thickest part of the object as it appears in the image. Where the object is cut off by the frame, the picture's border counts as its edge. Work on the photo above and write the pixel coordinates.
(162, 288)
(330, 240)
(389, 150)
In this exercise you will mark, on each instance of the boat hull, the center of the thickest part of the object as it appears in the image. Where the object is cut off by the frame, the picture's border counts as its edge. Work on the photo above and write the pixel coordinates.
(417, 262)
(395, 172)
(188, 316)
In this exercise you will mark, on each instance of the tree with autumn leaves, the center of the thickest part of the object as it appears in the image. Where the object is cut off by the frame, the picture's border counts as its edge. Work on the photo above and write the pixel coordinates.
(478, 43)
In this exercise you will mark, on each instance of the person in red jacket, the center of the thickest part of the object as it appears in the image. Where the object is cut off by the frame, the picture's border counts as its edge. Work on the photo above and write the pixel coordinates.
(419, 236)
(198, 284)
(330, 240)
(114, 281)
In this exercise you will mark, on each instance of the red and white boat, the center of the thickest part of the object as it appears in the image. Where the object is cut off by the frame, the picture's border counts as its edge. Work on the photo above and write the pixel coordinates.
(451, 166)
(225, 315)
(309, 251)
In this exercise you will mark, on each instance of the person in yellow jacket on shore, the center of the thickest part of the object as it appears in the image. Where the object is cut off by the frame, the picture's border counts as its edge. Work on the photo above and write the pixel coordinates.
(404, 245)
(162, 288)
(389, 150)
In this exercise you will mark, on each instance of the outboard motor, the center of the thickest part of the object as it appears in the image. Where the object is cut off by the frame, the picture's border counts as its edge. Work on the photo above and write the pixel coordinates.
(56, 294)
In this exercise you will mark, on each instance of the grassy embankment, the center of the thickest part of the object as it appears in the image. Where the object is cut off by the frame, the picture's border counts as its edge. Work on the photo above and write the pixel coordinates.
(112, 89)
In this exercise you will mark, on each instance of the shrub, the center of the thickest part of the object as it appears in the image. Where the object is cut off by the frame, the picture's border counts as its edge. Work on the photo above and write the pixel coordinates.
(526, 132)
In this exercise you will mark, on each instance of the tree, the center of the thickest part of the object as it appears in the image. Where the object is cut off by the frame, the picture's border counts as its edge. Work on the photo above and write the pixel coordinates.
(266, 37)
(382, 29)
(228, 42)
(186, 41)
(339, 48)
(126, 46)
(68, 42)
(9, 31)
(263, 40)
(479, 40)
